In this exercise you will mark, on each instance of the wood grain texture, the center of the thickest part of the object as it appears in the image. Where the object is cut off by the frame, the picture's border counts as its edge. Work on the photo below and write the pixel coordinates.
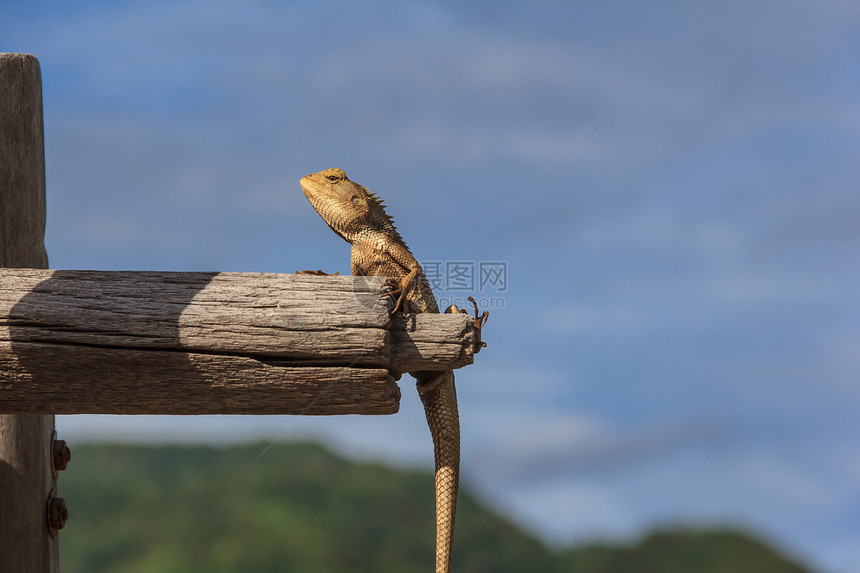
(423, 341)
(25, 441)
(22, 163)
(328, 319)
(125, 342)
(165, 382)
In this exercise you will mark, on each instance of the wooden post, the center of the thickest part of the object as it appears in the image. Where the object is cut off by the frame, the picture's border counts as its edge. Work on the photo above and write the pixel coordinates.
(26, 479)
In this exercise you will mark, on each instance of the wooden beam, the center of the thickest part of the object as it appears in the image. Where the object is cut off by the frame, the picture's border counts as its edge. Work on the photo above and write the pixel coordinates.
(212, 343)
(75, 380)
(26, 479)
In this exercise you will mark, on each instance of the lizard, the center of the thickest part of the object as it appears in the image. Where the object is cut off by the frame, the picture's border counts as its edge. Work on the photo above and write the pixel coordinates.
(359, 217)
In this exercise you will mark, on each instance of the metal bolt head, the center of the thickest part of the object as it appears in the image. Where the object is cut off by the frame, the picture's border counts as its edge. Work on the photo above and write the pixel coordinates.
(61, 455)
(57, 514)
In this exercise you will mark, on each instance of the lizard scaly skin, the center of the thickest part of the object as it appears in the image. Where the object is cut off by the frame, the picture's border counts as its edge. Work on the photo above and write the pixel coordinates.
(359, 217)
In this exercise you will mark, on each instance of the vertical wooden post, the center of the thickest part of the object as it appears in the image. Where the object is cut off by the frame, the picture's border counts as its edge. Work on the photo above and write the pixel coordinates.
(26, 479)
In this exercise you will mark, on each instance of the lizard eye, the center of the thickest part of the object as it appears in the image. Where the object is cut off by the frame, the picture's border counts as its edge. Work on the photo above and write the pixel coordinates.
(356, 200)
(333, 178)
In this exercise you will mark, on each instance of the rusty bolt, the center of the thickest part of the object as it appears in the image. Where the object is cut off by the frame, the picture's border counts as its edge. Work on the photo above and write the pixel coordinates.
(62, 455)
(57, 514)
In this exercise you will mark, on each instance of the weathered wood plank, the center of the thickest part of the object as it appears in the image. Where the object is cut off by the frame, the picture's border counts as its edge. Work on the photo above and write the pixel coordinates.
(290, 316)
(428, 341)
(315, 320)
(25, 441)
(165, 382)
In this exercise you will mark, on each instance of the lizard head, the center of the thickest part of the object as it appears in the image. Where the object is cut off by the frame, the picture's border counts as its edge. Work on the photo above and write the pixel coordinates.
(347, 207)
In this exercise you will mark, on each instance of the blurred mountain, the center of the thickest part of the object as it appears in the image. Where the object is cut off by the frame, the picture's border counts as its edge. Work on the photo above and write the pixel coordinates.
(299, 507)
(682, 551)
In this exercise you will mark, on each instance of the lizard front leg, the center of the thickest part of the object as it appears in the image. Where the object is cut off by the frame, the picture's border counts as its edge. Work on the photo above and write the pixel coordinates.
(401, 288)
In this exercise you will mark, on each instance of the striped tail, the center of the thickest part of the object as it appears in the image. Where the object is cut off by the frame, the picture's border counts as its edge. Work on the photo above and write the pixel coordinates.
(439, 396)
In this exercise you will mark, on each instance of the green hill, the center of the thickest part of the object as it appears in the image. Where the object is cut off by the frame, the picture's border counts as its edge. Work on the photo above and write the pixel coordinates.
(682, 551)
(136, 509)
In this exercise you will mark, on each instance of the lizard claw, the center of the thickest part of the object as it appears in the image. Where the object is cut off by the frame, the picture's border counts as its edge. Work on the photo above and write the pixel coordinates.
(401, 289)
(392, 287)
(477, 321)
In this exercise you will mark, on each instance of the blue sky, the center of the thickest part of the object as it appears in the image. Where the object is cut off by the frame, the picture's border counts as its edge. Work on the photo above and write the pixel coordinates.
(672, 187)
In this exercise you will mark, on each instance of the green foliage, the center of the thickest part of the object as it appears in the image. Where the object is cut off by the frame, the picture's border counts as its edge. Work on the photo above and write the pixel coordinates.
(683, 551)
(298, 507)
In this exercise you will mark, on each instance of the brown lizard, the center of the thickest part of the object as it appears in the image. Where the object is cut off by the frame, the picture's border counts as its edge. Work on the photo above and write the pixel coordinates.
(359, 217)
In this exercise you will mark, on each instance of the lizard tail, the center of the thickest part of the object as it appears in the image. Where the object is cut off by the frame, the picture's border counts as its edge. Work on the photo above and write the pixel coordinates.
(439, 396)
